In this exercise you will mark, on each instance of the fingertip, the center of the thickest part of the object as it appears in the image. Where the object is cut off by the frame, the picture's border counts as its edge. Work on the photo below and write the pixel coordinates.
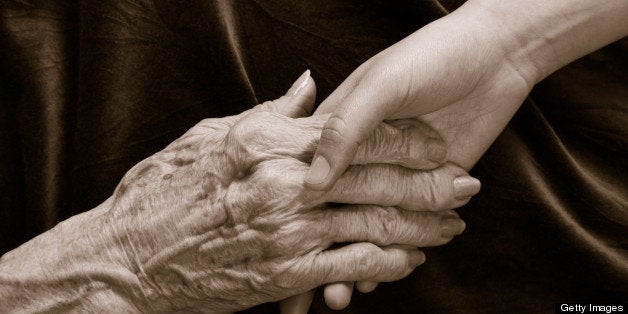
(298, 304)
(338, 295)
(366, 286)
(299, 84)
(451, 227)
(306, 96)
(324, 174)
(466, 187)
(416, 258)
(300, 98)
(451, 186)
(316, 176)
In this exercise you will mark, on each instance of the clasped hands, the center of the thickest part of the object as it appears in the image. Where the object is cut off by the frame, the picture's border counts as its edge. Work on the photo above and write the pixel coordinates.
(221, 219)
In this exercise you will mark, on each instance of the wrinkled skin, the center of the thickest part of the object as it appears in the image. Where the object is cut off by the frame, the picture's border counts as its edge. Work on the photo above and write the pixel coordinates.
(220, 220)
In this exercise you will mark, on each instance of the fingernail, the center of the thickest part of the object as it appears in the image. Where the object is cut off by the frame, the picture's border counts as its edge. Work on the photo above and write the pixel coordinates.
(465, 187)
(451, 227)
(299, 84)
(436, 151)
(416, 258)
(319, 170)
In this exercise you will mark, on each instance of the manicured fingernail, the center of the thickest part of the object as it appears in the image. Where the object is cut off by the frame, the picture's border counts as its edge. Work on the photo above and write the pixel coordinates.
(299, 84)
(319, 170)
(416, 258)
(465, 187)
(451, 227)
(436, 151)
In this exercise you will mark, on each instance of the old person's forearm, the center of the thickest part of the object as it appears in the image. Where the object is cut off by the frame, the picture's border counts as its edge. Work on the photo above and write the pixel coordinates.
(72, 267)
(542, 36)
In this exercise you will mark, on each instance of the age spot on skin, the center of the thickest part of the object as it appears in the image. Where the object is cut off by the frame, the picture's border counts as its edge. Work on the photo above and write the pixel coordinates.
(122, 188)
(179, 162)
(210, 187)
(135, 177)
(146, 168)
(202, 196)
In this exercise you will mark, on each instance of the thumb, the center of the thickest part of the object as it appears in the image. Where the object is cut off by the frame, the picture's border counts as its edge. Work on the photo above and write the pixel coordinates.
(351, 122)
(297, 102)
(300, 97)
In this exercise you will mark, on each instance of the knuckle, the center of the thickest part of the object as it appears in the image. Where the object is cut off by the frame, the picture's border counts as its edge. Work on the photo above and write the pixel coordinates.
(397, 266)
(419, 146)
(391, 195)
(387, 222)
(279, 105)
(412, 150)
(284, 172)
(251, 120)
(400, 186)
(241, 130)
(282, 181)
(416, 227)
(436, 199)
(254, 128)
(392, 182)
(384, 136)
(428, 191)
(365, 257)
(206, 122)
(265, 106)
(264, 173)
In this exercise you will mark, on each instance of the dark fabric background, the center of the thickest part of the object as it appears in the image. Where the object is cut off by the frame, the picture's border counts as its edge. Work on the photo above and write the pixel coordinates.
(89, 88)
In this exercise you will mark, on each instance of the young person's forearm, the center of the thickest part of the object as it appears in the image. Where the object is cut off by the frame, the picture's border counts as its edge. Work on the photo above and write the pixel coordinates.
(70, 267)
(542, 36)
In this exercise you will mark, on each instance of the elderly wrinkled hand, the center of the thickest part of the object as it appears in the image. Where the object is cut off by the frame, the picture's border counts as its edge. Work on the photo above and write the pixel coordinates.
(220, 220)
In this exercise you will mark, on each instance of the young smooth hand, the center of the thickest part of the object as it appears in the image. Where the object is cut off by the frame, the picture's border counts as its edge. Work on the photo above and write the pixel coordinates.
(466, 75)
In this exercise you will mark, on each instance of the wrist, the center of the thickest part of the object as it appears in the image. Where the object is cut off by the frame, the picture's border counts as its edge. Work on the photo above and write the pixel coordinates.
(522, 44)
(75, 266)
(539, 37)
